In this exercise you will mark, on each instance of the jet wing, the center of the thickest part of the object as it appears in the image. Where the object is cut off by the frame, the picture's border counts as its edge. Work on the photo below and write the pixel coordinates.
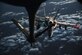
(77, 26)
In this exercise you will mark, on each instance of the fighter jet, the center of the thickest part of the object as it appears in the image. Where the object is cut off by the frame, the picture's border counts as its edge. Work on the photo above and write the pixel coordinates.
(56, 23)
(32, 7)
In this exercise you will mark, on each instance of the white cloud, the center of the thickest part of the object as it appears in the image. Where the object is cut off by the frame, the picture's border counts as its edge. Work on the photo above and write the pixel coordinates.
(63, 2)
(12, 13)
(7, 13)
(8, 22)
